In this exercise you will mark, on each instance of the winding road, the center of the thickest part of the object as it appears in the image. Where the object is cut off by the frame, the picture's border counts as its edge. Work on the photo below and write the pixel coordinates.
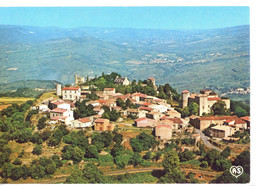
(205, 139)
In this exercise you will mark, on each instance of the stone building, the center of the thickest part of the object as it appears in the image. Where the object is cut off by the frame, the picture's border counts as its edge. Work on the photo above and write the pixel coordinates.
(71, 93)
(205, 99)
(221, 131)
(204, 122)
(79, 80)
(163, 132)
(122, 81)
(145, 122)
(103, 125)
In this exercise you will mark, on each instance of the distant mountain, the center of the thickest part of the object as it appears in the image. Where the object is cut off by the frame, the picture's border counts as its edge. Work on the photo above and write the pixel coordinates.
(189, 59)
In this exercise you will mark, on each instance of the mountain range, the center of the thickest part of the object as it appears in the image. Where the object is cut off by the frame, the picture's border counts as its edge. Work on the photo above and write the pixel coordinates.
(187, 59)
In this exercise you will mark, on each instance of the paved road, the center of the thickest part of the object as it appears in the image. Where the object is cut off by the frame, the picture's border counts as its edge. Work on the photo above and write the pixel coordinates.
(205, 139)
(160, 168)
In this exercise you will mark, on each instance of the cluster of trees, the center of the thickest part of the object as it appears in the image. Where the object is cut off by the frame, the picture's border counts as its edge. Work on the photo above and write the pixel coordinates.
(192, 109)
(112, 115)
(38, 168)
(143, 142)
(243, 159)
(220, 108)
(83, 110)
(126, 104)
(240, 109)
(107, 80)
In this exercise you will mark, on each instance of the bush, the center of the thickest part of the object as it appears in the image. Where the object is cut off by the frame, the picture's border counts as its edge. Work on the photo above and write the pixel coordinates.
(204, 164)
(37, 150)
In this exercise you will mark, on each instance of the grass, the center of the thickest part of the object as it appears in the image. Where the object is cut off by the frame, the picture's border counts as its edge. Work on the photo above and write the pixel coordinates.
(46, 96)
(11, 100)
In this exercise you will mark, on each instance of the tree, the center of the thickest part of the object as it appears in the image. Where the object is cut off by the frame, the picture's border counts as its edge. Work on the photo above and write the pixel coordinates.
(91, 174)
(211, 156)
(142, 142)
(92, 152)
(136, 159)
(243, 159)
(222, 164)
(41, 123)
(37, 171)
(186, 155)
(204, 164)
(37, 150)
(226, 152)
(172, 169)
(17, 161)
(194, 108)
(185, 112)
(76, 177)
(220, 108)
(122, 160)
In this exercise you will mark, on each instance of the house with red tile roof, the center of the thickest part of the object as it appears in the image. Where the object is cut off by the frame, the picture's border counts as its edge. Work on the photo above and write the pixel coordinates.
(204, 122)
(63, 115)
(145, 122)
(81, 123)
(109, 91)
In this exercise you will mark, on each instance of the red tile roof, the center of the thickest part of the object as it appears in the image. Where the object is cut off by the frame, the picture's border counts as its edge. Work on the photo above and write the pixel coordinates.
(100, 120)
(185, 91)
(70, 88)
(239, 121)
(145, 108)
(140, 119)
(245, 118)
(109, 89)
(164, 117)
(84, 120)
(175, 120)
(58, 110)
(213, 99)
(217, 118)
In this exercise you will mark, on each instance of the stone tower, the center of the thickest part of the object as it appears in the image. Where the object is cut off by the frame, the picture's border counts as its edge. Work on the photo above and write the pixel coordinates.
(202, 101)
(58, 89)
(76, 79)
(185, 97)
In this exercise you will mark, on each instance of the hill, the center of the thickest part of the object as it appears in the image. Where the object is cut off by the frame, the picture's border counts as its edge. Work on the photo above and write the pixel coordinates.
(191, 59)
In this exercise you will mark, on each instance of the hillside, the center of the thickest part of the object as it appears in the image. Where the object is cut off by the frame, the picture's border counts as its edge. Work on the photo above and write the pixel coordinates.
(193, 59)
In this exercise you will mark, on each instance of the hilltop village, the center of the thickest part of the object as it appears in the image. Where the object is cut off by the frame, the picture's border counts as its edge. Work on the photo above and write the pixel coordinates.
(146, 110)
(91, 130)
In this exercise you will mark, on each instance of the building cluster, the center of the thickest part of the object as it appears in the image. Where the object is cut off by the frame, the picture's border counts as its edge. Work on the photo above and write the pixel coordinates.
(225, 126)
(149, 111)
(205, 99)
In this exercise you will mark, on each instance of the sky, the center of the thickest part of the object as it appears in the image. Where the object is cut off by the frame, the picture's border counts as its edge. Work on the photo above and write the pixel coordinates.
(198, 17)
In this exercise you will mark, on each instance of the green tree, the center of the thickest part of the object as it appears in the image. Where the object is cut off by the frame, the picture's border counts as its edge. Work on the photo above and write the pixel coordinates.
(136, 159)
(172, 169)
(92, 152)
(41, 123)
(91, 174)
(243, 159)
(122, 160)
(211, 156)
(194, 108)
(226, 152)
(76, 177)
(220, 108)
(37, 150)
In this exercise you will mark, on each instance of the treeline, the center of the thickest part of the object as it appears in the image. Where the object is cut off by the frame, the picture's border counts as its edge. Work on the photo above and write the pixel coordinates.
(23, 92)
(107, 81)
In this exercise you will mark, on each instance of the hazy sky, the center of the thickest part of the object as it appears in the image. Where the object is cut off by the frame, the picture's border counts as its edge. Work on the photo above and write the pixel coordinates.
(129, 17)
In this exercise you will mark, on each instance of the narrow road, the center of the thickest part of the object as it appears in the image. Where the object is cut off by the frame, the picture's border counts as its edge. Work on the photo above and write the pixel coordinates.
(62, 178)
(205, 139)
(160, 168)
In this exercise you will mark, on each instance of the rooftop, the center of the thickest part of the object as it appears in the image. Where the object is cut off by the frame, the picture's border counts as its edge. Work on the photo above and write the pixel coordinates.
(71, 88)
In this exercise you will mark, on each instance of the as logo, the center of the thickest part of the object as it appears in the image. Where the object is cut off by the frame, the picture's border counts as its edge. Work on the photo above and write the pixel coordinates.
(236, 170)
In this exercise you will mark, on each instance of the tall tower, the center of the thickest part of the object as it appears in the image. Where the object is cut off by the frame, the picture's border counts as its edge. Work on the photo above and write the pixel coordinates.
(185, 97)
(76, 79)
(58, 89)
(202, 101)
